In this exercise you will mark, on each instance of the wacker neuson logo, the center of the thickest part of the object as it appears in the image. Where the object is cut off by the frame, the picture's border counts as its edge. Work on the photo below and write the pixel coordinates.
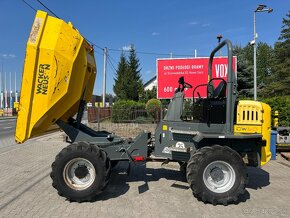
(42, 79)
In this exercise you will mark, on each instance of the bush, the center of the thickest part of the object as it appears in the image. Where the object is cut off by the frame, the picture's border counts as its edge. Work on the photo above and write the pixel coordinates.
(187, 112)
(153, 108)
(127, 111)
(282, 105)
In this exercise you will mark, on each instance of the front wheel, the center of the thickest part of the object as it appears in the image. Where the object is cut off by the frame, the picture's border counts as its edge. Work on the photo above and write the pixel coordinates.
(80, 171)
(217, 174)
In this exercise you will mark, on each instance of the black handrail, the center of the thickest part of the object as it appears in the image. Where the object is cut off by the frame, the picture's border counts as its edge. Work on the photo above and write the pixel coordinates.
(231, 84)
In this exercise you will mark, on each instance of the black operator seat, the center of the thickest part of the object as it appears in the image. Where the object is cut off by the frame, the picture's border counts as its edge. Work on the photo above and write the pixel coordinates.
(220, 90)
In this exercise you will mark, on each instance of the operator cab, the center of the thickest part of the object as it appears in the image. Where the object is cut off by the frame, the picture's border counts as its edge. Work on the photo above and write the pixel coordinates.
(211, 109)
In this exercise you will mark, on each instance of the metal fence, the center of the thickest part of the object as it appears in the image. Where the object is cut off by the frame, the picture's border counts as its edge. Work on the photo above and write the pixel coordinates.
(135, 115)
(129, 122)
(126, 123)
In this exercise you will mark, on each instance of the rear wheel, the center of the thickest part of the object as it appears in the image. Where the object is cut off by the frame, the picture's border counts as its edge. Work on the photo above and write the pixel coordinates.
(80, 171)
(217, 174)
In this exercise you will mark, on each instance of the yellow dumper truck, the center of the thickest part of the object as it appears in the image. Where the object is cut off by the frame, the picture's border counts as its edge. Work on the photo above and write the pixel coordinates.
(214, 147)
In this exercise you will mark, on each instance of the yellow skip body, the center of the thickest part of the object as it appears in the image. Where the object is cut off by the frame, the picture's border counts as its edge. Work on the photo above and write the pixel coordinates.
(59, 71)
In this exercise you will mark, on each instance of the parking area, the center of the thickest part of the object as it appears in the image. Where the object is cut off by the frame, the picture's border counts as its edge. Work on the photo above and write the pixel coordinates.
(149, 191)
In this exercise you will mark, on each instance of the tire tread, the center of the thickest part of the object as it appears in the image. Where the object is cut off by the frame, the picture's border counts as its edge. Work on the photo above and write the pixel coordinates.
(193, 173)
(85, 148)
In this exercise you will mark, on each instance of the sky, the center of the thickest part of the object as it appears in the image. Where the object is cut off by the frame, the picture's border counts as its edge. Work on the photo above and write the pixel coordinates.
(156, 28)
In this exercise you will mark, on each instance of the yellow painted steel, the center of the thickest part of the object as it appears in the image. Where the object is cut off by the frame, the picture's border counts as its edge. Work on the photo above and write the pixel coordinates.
(16, 105)
(255, 117)
(164, 127)
(276, 119)
(248, 129)
(59, 71)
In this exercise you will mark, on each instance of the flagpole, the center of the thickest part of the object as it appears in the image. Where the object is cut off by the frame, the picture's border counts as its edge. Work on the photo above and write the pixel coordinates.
(15, 89)
(6, 103)
(1, 94)
(11, 92)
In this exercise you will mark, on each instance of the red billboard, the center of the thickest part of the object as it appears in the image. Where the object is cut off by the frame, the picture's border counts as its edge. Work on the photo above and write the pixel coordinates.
(194, 71)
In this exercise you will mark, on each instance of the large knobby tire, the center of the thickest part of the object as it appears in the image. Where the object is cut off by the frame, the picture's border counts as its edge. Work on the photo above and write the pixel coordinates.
(80, 172)
(217, 174)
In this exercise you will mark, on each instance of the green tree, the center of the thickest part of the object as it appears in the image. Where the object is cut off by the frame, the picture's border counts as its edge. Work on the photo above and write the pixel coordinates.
(282, 105)
(135, 84)
(128, 83)
(265, 54)
(248, 52)
(120, 79)
(148, 94)
(244, 71)
(278, 82)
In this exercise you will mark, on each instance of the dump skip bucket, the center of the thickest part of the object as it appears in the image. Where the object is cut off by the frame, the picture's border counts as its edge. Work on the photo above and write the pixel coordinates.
(59, 71)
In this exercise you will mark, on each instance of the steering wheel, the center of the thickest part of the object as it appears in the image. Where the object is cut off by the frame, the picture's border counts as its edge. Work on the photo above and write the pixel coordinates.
(199, 97)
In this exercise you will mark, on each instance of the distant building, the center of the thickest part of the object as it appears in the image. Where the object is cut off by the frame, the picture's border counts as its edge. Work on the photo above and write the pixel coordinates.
(150, 84)
(99, 99)
(96, 98)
